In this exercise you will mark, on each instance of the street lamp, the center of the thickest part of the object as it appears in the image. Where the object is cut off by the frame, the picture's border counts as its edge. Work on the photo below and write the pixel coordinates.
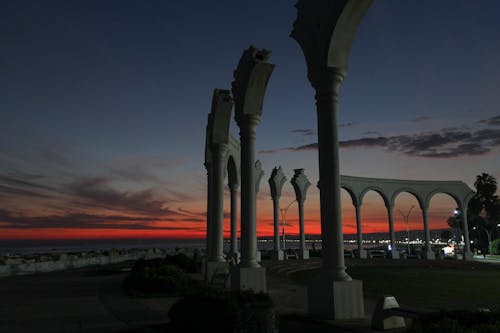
(405, 217)
(283, 219)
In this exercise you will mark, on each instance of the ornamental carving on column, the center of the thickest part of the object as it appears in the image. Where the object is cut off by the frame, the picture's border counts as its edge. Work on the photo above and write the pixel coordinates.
(300, 184)
(250, 82)
(325, 31)
(276, 182)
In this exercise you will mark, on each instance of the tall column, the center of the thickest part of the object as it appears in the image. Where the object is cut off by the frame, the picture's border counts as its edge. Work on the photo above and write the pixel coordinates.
(209, 210)
(361, 251)
(248, 199)
(394, 248)
(327, 92)
(429, 254)
(301, 185)
(217, 254)
(276, 182)
(216, 149)
(249, 85)
(325, 31)
(233, 188)
(467, 252)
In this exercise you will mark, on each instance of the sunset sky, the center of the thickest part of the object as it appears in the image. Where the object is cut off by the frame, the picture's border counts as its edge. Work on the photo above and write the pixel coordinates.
(104, 105)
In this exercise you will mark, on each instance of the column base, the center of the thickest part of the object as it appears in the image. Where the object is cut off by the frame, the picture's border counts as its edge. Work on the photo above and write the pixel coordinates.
(214, 268)
(362, 254)
(429, 255)
(278, 255)
(394, 253)
(258, 256)
(246, 278)
(304, 255)
(337, 300)
(468, 256)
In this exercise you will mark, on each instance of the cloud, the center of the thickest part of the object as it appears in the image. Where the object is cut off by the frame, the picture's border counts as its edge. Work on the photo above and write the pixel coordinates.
(348, 124)
(447, 143)
(96, 192)
(304, 132)
(82, 220)
(493, 121)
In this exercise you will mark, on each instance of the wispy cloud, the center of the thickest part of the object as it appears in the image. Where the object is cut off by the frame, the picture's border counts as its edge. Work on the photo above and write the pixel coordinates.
(447, 143)
(493, 121)
(82, 221)
(304, 132)
(97, 192)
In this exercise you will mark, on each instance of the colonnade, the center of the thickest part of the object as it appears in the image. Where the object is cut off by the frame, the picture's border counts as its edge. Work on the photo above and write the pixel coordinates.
(221, 151)
(422, 190)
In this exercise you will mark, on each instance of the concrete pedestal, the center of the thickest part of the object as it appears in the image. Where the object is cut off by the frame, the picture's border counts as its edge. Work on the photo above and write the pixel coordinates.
(468, 256)
(258, 256)
(429, 255)
(278, 255)
(362, 254)
(212, 268)
(337, 300)
(304, 255)
(245, 278)
(394, 254)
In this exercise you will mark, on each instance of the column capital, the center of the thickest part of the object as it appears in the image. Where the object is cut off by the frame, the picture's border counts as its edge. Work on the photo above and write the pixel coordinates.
(250, 82)
(300, 185)
(276, 182)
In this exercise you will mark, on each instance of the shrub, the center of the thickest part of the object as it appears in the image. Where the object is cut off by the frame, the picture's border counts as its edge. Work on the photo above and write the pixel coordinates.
(495, 246)
(224, 311)
(156, 276)
(182, 261)
(458, 322)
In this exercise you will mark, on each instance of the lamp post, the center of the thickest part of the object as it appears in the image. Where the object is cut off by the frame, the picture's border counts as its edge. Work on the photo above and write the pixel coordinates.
(405, 217)
(283, 220)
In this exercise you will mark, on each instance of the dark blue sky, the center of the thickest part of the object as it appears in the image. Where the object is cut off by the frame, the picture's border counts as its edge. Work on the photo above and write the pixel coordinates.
(114, 95)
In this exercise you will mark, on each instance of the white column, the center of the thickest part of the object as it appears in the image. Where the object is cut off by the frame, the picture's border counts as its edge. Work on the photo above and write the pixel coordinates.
(218, 204)
(276, 207)
(361, 251)
(304, 253)
(429, 254)
(395, 252)
(209, 211)
(233, 188)
(331, 212)
(248, 128)
(467, 252)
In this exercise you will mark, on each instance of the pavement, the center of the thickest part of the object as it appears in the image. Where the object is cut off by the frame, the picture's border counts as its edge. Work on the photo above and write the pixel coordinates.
(92, 300)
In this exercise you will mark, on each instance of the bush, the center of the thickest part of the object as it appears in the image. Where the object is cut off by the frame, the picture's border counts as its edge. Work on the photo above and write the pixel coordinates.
(458, 322)
(157, 276)
(495, 246)
(224, 311)
(182, 261)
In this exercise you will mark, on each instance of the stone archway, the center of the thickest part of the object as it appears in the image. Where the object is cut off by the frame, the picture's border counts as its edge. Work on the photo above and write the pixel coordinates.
(423, 190)
(222, 156)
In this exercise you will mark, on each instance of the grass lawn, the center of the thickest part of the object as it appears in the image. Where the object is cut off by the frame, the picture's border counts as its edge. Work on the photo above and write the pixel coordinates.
(440, 284)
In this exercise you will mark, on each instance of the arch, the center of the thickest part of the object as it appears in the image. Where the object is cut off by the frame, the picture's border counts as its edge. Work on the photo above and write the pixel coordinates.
(354, 198)
(442, 191)
(377, 189)
(410, 191)
(232, 171)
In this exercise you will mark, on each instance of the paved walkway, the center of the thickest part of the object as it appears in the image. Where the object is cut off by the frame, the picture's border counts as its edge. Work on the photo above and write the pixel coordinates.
(91, 300)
